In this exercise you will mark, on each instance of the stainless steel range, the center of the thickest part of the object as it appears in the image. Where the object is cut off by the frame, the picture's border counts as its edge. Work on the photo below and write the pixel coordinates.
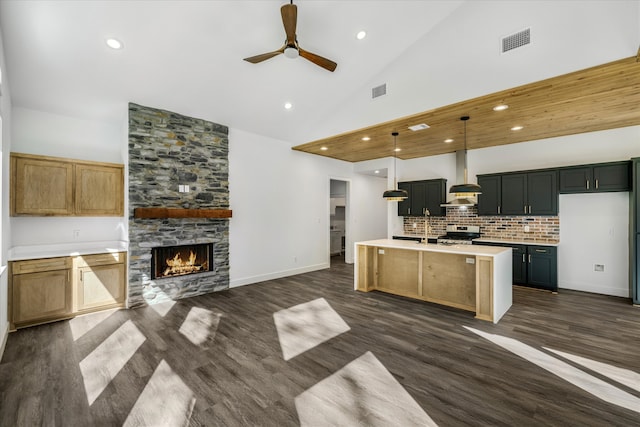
(459, 235)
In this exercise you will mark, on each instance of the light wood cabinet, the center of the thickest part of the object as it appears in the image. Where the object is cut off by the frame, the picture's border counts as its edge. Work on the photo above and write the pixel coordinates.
(41, 187)
(99, 190)
(51, 186)
(99, 281)
(44, 290)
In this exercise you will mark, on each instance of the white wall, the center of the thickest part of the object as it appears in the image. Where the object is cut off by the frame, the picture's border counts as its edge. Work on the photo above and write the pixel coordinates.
(575, 212)
(37, 132)
(280, 203)
(594, 229)
(5, 132)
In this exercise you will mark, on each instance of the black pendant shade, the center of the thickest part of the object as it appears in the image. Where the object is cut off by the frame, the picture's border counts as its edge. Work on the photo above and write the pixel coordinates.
(466, 188)
(395, 195)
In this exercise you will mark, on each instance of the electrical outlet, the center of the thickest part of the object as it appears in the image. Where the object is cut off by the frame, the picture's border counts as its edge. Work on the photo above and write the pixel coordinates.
(598, 267)
(470, 260)
(527, 229)
(76, 234)
(415, 225)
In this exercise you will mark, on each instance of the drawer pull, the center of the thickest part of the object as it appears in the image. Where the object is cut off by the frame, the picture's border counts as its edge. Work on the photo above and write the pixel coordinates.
(544, 251)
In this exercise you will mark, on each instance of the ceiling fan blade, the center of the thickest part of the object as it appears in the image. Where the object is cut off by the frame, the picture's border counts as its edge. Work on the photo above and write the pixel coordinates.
(318, 60)
(264, 56)
(289, 14)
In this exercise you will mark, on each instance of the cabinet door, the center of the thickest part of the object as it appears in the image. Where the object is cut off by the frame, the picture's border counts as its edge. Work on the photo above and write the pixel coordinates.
(41, 187)
(519, 253)
(612, 177)
(489, 200)
(418, 198)
(404, 206)
(436, 196)
(100, 286)
(99, 190)
(514, 194)
(542, 193)
(542, 267)
(575, 180)
(41, 296)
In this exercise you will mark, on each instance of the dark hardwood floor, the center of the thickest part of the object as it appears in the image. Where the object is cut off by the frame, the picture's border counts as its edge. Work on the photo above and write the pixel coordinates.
(146, 360)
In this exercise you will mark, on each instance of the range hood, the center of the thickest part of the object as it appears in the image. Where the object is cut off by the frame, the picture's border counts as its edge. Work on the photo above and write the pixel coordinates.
(465, 193)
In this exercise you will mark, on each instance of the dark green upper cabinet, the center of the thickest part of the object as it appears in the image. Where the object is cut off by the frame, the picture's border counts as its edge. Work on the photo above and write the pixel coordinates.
(489, 201)
(542, 193)
(597, 178)
(423, 195)
(514, 194)
(518, 194)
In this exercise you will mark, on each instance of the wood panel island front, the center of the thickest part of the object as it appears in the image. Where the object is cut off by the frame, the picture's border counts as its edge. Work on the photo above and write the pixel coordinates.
(469, 277)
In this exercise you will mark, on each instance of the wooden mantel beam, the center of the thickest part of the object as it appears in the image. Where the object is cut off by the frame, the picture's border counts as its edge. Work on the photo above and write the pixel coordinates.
(161, 213)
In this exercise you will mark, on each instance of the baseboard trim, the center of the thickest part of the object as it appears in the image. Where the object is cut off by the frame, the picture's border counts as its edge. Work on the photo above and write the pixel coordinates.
(5, 336)
(595, 289)
(277, 275)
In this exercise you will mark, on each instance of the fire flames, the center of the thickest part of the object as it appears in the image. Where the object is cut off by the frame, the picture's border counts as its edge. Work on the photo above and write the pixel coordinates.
(176, 266)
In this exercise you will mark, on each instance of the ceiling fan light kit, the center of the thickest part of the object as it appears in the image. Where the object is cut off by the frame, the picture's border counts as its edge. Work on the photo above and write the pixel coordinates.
(291, 49)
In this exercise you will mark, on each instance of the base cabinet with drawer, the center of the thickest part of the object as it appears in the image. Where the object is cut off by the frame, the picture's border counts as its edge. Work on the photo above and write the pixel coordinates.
(45, 290)
(535, 266)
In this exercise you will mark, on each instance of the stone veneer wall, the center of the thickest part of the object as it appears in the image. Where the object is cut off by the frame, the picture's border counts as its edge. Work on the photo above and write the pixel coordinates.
(541, 228)
(166, 150)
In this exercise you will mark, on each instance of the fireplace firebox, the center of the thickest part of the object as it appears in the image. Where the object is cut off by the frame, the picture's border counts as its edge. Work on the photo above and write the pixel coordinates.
(171, 261)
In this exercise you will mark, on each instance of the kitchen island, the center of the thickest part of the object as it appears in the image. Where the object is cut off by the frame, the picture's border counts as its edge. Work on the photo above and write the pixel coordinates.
(469, 277)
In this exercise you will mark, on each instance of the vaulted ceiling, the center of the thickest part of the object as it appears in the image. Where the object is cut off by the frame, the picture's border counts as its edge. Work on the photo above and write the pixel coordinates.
(186, 56)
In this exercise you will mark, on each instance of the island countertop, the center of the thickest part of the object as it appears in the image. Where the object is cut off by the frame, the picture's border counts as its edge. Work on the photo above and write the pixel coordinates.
(476, 250)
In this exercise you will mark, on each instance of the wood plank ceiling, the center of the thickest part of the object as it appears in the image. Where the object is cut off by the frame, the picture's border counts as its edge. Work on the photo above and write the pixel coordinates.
(598, 98)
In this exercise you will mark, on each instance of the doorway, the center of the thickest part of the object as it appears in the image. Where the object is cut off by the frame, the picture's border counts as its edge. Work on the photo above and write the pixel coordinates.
(338, 202)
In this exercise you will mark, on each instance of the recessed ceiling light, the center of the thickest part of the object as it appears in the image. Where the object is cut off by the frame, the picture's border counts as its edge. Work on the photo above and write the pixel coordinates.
(324, 148)
(288, 106)
(366, 138)
(361, 34)
(419, 127)
(376, 171)
(500, 107)
(397, 149)
(448, 141)
(517, 128)
(114, 43)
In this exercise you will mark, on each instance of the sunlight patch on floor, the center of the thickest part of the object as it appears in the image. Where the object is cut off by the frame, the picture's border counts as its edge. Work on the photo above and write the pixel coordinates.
(165, 401)
(362, 393)
(103, 364)
(82, 324)
(305, 326)
(200, 325)
(575, 376)
(162, 308)
(623, 376)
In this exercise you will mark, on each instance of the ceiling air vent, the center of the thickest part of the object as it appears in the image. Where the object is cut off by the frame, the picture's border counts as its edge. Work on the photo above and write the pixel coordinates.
(516, 40)
(379, 91)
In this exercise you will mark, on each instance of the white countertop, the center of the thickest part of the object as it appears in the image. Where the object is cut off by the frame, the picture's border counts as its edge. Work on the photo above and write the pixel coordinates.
(452, 249)
(18, 253)
(516, 242)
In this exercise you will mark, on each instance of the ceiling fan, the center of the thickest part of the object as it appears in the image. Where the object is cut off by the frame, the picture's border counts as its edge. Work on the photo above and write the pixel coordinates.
(291, 49)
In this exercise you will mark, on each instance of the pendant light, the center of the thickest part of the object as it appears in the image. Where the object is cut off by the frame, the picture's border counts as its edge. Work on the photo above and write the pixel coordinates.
(466, 189)
(395, 195)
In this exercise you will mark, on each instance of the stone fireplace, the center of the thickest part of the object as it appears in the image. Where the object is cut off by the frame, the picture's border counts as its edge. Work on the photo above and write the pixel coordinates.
(176, 162)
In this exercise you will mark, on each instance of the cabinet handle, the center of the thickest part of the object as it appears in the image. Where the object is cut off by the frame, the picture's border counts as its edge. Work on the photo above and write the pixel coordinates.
(529, 258)
(525, 208)
(423, 210)
(498, 210)
(523, 258)
(409, 211)
(587, 184)
(596, 184)
(543, 251)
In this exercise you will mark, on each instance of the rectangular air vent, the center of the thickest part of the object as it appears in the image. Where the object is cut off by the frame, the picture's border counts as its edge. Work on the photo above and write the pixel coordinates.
(379, 91)
(516, 40)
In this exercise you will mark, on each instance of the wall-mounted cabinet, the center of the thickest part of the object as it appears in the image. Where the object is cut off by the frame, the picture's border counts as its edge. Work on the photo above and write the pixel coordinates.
(597, 178)
(423, 195)
(44, 290)
(526, 193)
(51, 186)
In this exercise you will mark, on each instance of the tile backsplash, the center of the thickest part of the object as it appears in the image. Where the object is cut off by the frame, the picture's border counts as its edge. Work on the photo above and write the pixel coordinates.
(541, 228)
